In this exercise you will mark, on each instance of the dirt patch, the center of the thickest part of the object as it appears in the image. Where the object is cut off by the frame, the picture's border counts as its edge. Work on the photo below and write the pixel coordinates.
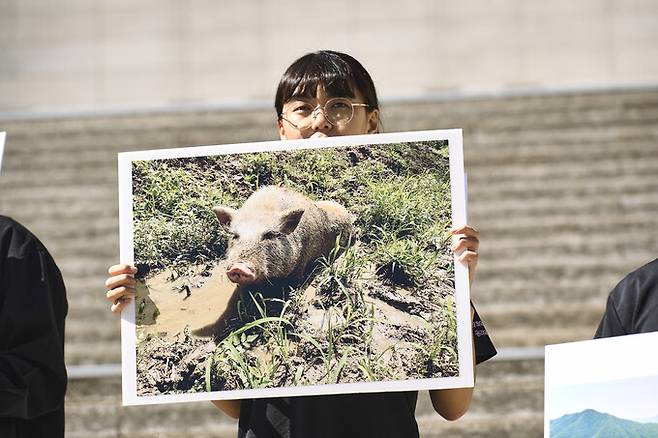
(166, 366)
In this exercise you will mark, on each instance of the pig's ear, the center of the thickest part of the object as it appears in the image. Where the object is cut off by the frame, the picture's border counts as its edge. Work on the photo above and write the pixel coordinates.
(289, 220)
(224, 214)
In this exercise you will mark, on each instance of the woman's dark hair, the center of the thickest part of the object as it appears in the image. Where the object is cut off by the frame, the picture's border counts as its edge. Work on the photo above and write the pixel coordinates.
(339, 73)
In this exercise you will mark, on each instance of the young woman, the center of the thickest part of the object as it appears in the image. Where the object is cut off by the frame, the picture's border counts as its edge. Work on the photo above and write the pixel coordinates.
(325, 94)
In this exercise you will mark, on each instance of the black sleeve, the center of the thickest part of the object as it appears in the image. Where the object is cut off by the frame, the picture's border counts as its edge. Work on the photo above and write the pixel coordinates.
(610, 324)
(632, 305)
(32, 311)
(484, 347)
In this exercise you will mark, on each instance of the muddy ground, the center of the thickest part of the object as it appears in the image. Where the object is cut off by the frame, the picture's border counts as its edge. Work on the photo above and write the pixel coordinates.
(181, 318)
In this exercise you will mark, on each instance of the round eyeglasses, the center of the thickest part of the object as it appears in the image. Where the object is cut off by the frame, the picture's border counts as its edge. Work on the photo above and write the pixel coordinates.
(337, 111)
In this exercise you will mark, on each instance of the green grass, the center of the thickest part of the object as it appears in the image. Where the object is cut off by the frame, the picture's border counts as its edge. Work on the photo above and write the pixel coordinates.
(399, 207)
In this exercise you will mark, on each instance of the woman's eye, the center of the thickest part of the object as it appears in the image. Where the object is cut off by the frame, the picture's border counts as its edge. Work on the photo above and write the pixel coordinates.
(339, 106)
(302, 109)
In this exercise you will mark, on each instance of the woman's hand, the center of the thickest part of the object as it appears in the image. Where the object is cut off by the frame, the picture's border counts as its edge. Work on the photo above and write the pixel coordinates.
(121, 286)
(465, 243)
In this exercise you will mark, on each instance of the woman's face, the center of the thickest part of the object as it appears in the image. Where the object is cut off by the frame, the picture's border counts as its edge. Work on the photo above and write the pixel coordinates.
(364, 120)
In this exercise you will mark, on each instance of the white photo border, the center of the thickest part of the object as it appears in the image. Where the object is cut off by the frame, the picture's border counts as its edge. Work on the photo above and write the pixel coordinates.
(462, 294)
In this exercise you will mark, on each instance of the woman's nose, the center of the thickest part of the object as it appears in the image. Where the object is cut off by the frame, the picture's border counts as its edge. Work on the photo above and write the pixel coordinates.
(320, 122)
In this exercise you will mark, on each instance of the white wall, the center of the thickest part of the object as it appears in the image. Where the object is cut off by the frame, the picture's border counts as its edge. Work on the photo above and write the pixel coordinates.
(66, 54)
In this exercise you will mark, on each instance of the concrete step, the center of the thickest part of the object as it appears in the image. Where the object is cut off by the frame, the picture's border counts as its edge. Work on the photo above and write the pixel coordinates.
(66, 226)
(550, 151)
(493, 289)
(580, 101)
(552, 314)
(91, 352)
(111, 134)
(555, 172)
(584, 186)
(91, 308)
(506, 126)
(84, 267)
(70, 195)
(567, 203)
(565, 242)
(87, 330)
(569, 266)
(14, 179)
(538, 336)
(106, 246)
(526, 226)
(555, 120)
(625, 134)
(93, 408)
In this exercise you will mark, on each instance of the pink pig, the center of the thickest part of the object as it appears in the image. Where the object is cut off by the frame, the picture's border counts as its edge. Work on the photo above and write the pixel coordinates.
(278, 233)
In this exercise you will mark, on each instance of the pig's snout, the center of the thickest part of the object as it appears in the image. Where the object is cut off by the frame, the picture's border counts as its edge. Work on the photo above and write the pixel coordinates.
(241, 273)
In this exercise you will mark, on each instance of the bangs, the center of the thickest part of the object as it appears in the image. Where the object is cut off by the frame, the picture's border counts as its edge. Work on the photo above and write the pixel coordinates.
(307, 86)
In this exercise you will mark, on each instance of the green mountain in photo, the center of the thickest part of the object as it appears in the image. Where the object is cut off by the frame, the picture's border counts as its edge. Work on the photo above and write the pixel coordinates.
(592, 424)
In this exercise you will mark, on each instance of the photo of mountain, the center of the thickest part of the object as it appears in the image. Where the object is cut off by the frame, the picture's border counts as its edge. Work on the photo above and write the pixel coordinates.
(591, 423)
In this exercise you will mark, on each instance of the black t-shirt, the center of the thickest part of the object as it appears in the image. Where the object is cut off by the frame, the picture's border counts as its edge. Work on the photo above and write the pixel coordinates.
(32, 310)
(377, 415)
(632, 305)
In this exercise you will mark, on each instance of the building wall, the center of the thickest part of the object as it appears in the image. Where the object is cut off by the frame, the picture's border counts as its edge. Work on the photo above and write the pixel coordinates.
(81, 54)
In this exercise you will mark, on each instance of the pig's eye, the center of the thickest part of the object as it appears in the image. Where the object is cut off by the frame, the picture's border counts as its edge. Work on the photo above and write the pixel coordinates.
(235, 236)
(271, 235)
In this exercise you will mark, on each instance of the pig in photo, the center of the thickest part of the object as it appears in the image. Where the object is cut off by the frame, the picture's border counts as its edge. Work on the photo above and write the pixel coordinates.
(277, 235)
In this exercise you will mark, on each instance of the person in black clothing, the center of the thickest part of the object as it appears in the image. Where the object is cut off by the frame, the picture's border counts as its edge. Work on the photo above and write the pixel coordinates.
(306, 93)
(33, 307)
(632, 305)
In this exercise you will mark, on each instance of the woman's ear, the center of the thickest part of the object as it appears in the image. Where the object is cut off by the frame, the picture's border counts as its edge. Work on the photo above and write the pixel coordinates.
(282, 129)
(373, 121)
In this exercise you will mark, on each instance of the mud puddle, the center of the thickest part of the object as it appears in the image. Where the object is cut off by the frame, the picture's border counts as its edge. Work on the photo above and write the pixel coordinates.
(165, 307)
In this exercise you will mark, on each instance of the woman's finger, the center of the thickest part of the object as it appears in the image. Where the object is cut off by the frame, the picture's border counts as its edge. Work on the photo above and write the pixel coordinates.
(461, 243)
(120, 280)
(465, 229)
(120, 292)
(121, 269)
(469, 257)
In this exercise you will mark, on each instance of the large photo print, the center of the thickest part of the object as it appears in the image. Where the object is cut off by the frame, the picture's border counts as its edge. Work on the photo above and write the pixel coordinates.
(296, 267)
